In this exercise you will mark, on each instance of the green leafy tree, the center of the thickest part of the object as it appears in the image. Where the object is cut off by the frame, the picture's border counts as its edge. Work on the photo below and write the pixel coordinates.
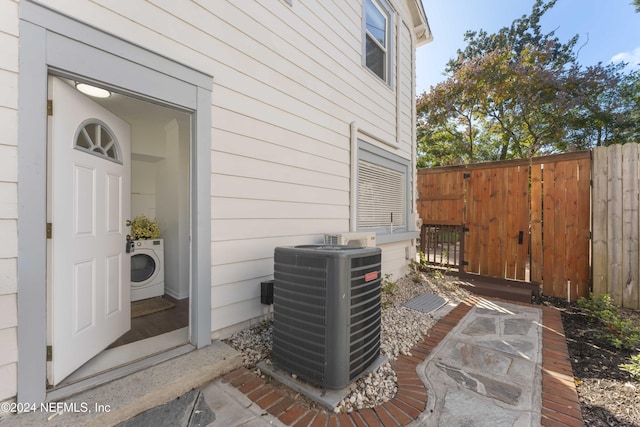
(520, 36)
(608, 110)
(519, 93)
(629, 90)
(447, 129)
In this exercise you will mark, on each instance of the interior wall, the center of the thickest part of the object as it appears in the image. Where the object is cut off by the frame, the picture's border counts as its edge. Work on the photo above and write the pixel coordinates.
(143, 188)
(160, 190)
(148, 147)
(172, 209)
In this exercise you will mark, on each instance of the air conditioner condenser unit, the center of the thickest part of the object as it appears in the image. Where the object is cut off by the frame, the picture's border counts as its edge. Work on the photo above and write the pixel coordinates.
(327, 312)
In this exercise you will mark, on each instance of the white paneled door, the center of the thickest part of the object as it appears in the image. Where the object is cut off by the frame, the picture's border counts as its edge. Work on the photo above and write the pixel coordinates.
(89, 203)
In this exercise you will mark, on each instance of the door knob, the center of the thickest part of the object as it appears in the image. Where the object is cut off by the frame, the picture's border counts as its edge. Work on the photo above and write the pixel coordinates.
(128, 223)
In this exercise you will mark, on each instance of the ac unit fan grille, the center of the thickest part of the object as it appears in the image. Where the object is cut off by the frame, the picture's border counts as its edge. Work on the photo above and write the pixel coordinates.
(365, 314)
(327, 314)
(299, 330)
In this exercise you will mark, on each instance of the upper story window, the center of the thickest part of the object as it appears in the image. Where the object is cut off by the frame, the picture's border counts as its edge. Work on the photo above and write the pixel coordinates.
(377, 37)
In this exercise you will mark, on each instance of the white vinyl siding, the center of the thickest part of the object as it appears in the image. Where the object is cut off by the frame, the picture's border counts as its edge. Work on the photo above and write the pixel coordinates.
(406, 95)
(288, 81)
(8, 197)
(395, 257)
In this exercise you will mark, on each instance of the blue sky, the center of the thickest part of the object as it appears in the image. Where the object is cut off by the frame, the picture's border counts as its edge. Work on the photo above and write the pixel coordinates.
(610, 29)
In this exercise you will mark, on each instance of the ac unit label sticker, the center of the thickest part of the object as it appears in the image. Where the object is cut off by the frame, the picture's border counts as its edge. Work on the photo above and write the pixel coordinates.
(371, 276)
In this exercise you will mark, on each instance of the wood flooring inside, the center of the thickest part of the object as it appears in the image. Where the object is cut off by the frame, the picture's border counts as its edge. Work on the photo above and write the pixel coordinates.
(155, 324)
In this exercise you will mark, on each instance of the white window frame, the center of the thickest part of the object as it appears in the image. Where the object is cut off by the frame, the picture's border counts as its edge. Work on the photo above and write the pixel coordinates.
(385, 9)
(380, 157)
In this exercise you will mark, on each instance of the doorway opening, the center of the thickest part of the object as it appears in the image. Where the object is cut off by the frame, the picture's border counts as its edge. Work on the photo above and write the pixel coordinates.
(159, 279)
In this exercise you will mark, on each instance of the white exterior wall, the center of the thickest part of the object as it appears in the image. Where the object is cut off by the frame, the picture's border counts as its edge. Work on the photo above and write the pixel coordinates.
(397, 255)
(288, 81)
(8, 196)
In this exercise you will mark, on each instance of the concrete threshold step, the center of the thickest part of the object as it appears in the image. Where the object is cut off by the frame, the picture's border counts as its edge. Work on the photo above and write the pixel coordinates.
(124, 398)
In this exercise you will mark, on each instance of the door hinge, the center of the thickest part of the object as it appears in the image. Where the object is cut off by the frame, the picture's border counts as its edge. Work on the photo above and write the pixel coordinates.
(465, 229)
(49, 107)
(466, 175)
(49, 353)
(49, 230)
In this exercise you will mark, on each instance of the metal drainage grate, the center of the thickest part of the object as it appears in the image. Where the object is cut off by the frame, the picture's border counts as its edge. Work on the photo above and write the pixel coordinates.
(425, 303)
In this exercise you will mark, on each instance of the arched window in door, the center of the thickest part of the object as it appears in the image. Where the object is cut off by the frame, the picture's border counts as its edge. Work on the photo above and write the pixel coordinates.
(94, 137)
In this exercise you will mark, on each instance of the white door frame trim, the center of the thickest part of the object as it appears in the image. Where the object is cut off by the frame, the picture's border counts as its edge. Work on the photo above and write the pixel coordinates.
(51, 42)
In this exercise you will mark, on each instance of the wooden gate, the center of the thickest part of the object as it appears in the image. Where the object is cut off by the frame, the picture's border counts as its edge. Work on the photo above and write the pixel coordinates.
(498, 220)
(525, 220)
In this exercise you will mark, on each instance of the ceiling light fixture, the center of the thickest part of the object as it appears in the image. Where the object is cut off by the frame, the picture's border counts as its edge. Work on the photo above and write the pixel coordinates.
(93, 91)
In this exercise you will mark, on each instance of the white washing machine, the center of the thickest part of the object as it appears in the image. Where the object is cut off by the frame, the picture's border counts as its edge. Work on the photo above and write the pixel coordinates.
(147, 269)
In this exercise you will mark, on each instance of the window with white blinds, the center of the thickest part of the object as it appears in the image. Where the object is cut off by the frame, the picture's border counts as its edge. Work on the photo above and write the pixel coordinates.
(382, 190)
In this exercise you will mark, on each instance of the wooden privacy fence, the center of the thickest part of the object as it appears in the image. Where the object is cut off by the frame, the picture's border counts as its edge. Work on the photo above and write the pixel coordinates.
(616, 217)
(524, 219)
(560, 224)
